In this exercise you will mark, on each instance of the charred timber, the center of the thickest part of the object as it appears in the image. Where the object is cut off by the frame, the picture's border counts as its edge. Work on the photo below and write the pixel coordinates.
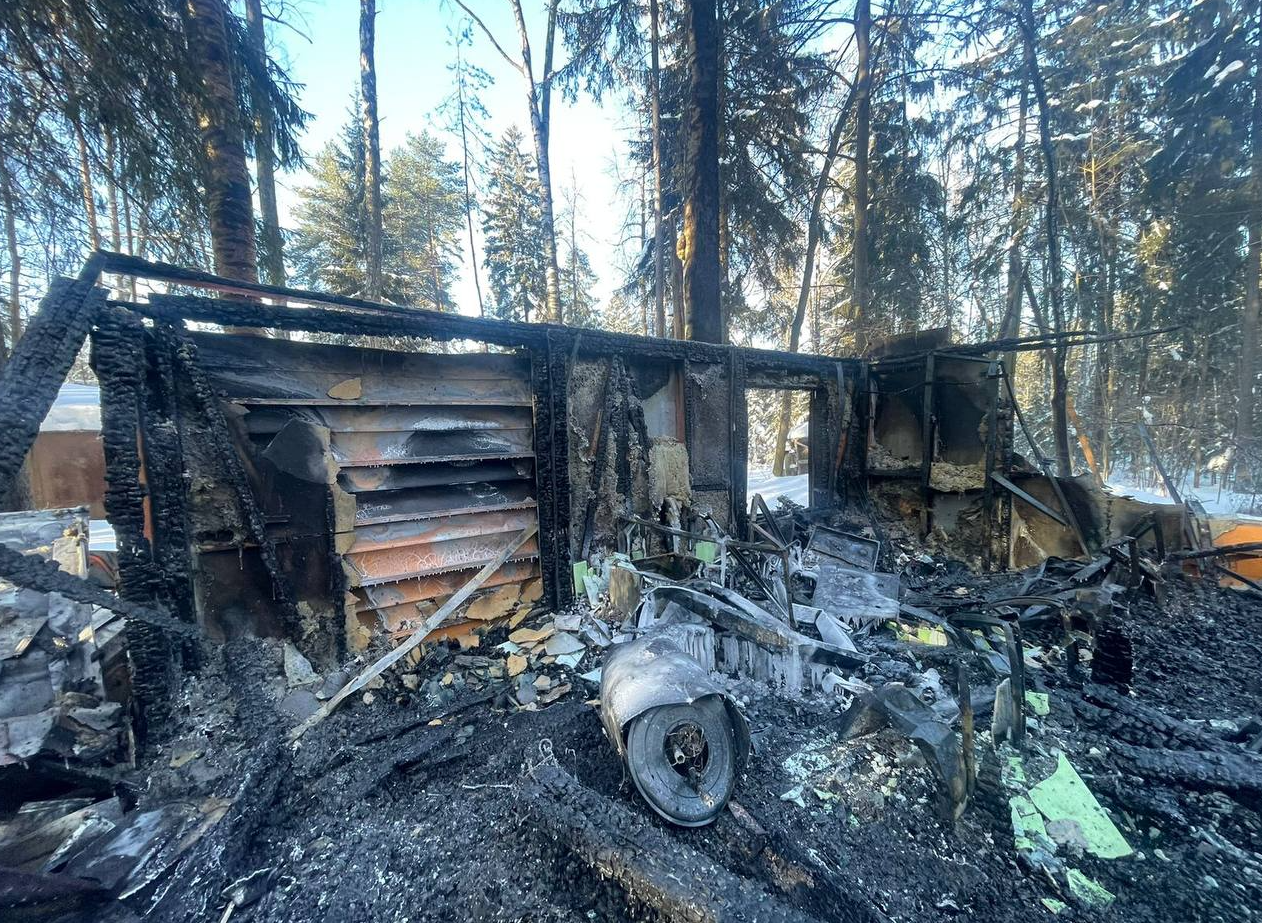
(164, 469)
(35, 573)
(671, 879)
(37, 368)
(118, 358)
(354, 319)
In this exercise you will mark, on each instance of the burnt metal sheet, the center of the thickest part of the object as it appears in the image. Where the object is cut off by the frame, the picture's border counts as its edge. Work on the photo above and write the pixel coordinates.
(410, 561)
(427, 531)
(281, 372)
(436, 450)
(256, 353)
(424, 502)
(410, 447)
(393, 419)
(436, 474)
(385, 596)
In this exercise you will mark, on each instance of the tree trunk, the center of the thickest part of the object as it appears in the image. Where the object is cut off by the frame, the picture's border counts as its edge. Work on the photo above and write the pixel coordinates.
(655, 103)
(1016, 230)
(1060, 418)
(85, 182)
(8, 200)
(265, 157)
(372, 144)
(539, 103)
(468, 183)
(700, 244)
(227, 179)
(813, 233)
(111, 185)
(1245, 454)
(676, 283)
(862, 141)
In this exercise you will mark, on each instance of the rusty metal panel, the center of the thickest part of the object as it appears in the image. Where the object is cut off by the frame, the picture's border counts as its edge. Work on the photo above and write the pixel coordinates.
(386, 596)
(423, 502)
(406, 562)
(435, 450)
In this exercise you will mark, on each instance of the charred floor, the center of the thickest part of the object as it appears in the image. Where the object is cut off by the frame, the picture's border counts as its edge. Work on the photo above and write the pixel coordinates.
(406, 632)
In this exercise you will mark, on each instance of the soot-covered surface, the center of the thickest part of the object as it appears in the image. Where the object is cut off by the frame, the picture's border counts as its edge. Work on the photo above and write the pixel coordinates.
(382, 815)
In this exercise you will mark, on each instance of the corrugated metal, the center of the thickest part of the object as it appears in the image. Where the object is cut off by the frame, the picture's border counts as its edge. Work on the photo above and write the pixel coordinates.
(436, 451)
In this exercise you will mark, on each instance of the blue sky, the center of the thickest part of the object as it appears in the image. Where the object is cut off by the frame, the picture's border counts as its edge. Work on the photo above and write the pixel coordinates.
(413, 52)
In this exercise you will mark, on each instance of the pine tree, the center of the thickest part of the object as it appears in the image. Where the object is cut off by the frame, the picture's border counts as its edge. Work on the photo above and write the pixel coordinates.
(424, 216)
(511, 226)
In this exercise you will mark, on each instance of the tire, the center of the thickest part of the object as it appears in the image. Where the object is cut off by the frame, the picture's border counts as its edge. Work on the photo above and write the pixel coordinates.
(668, 789)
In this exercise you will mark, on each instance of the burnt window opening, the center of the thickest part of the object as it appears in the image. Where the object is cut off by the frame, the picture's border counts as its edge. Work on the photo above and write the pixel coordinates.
(778, 448)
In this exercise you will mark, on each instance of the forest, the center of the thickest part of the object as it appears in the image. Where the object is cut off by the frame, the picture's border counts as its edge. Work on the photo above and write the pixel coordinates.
(810, 175)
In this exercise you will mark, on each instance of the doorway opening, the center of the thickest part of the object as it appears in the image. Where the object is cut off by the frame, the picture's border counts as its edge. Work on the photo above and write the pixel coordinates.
(778, 448)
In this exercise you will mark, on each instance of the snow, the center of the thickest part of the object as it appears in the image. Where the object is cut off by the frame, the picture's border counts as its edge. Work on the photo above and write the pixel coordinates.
(1216, 502)
(793, 486)
(1090, 106)
(1228, 72)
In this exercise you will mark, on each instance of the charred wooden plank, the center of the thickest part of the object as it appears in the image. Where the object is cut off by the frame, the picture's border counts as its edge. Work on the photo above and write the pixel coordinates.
(38, 365)
(656, 871)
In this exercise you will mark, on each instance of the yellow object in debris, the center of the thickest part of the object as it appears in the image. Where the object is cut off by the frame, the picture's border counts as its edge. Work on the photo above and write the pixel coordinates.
(350, 390)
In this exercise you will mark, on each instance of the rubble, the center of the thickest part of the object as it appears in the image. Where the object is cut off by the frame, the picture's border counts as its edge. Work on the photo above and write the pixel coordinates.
(955, 685)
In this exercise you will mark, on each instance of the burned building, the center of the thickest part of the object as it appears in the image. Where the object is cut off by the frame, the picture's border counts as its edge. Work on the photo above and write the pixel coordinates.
(487, 503)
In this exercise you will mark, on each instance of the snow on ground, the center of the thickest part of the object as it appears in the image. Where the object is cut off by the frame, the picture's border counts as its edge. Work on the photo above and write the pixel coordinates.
(793, 486)
(1216, 502)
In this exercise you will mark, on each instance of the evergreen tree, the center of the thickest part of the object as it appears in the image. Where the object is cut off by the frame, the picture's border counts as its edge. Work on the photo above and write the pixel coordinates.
(511, 226)
(424, 216)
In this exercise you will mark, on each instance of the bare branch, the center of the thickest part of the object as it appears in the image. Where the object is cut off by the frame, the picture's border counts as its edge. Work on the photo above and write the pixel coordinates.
(516, 65)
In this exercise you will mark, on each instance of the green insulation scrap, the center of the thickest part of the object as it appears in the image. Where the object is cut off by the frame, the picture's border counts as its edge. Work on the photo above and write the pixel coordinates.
(1038, 703)
(1029, 833)
(706, 551)
(1053, 905)
(1012, 774)
(580, 573)
(1088, 891)
(1063, 796)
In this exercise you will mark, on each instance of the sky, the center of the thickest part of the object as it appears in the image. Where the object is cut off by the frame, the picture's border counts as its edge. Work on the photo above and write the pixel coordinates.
(414, 48)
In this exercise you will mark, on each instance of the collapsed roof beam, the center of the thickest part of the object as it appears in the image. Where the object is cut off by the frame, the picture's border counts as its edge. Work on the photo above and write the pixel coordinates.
(38, 366)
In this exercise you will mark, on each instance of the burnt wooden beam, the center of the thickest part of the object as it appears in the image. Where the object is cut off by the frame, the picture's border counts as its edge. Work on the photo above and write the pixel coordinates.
(349, 317)
(1029, 498)
(656, 871)
(38, 366)
(118, 358)
(926, 436)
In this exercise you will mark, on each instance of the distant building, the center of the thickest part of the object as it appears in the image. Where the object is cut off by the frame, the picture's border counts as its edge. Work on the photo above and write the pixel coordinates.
(67, 463)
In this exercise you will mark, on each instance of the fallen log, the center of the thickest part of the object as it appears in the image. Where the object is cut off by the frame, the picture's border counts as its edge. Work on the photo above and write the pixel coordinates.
(654, 869)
